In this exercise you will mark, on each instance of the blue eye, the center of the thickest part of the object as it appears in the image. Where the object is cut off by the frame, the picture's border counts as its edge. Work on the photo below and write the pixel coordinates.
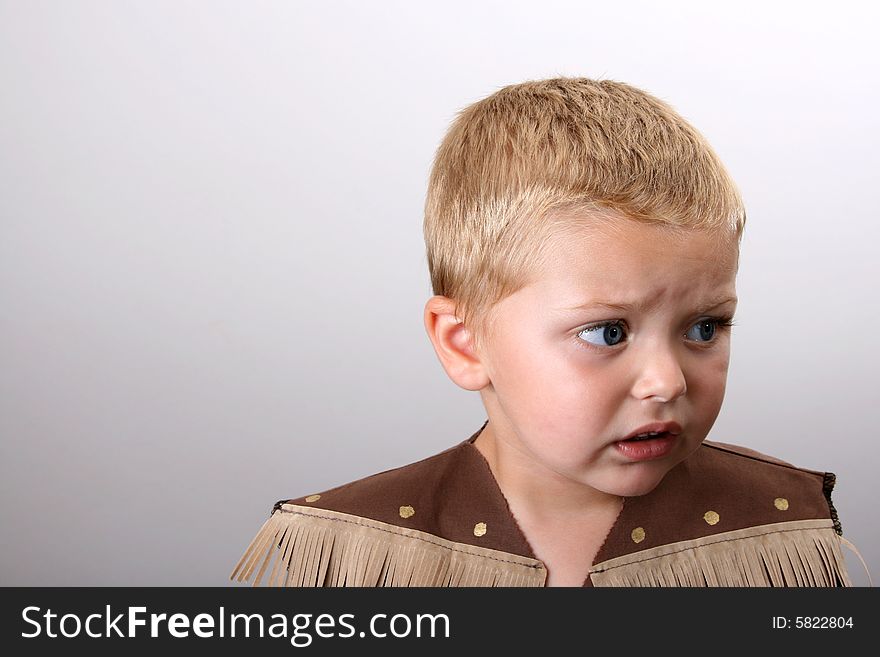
(611, 332)
(706, 330)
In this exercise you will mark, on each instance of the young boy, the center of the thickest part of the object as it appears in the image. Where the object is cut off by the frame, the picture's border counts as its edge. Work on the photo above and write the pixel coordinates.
(583, 244)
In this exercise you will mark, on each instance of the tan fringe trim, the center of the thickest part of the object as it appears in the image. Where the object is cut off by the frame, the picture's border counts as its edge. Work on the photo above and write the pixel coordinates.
(855, 550)
(797, 553)
(317, 547)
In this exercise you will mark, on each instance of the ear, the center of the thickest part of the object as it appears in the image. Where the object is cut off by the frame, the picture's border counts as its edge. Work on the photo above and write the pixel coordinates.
(453, 344)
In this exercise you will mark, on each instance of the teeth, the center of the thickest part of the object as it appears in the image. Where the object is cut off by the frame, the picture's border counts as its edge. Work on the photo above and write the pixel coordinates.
(643, 436)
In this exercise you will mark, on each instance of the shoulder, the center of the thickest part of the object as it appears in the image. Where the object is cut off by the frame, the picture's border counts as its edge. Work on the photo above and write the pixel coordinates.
(759, 476)
(728, 515)
(724, 487)
(748, 462)
(769, 489)
(401, 483)
(439, 521)
(452, 495)
(747, 452)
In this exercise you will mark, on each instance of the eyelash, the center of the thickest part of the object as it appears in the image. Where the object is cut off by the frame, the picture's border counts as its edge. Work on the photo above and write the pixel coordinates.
(723, 323)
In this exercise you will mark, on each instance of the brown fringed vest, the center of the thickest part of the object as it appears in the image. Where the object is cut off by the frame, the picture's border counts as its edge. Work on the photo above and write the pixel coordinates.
(725, 516)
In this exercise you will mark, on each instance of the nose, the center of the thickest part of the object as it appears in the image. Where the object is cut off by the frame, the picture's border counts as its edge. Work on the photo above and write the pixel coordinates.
(660, 377)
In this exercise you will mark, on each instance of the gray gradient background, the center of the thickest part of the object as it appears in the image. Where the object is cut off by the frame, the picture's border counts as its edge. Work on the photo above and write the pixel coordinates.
(212, 271)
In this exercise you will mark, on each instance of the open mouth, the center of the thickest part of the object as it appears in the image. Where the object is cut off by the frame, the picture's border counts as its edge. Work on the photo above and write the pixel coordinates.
(647, 446)
(647, 436)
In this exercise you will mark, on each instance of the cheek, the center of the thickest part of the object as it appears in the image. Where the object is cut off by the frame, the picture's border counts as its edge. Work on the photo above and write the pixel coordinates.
(719, 366)
(569, 394)
(520, 361)
(710, 382)
(540, 377)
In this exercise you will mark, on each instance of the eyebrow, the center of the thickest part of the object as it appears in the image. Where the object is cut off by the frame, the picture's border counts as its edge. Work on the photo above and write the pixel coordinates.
(645, 304)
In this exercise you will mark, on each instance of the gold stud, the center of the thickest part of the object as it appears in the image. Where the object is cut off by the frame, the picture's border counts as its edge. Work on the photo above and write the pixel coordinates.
(480, 529)
(313, 498)
(781, 503)
(407, 512)
(711, 517)
(638, 534)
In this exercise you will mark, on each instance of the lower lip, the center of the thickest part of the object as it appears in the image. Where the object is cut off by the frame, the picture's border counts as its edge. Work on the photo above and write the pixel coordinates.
(645, 450)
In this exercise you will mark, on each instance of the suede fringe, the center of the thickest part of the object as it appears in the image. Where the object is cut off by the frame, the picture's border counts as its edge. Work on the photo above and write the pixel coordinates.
(797, 553)
(317, 547)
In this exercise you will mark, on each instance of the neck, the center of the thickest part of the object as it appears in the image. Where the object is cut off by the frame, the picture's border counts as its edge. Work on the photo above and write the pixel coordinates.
(532, 487)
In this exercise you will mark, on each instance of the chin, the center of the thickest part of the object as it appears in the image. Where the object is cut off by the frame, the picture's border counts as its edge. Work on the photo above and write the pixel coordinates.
(638, 490)
(634, 486)
(641, 478)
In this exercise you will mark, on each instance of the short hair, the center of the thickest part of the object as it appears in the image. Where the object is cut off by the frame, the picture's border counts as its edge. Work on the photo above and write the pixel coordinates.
(511, 164)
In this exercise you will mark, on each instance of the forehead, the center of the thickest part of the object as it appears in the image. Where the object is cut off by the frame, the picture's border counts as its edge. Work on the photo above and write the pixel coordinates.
(630, 260)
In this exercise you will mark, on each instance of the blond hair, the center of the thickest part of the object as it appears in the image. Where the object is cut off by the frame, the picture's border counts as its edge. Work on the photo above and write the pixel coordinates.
(511, 164)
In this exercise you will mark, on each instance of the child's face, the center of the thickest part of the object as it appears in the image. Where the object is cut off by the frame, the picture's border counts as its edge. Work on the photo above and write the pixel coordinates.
(561, 397)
